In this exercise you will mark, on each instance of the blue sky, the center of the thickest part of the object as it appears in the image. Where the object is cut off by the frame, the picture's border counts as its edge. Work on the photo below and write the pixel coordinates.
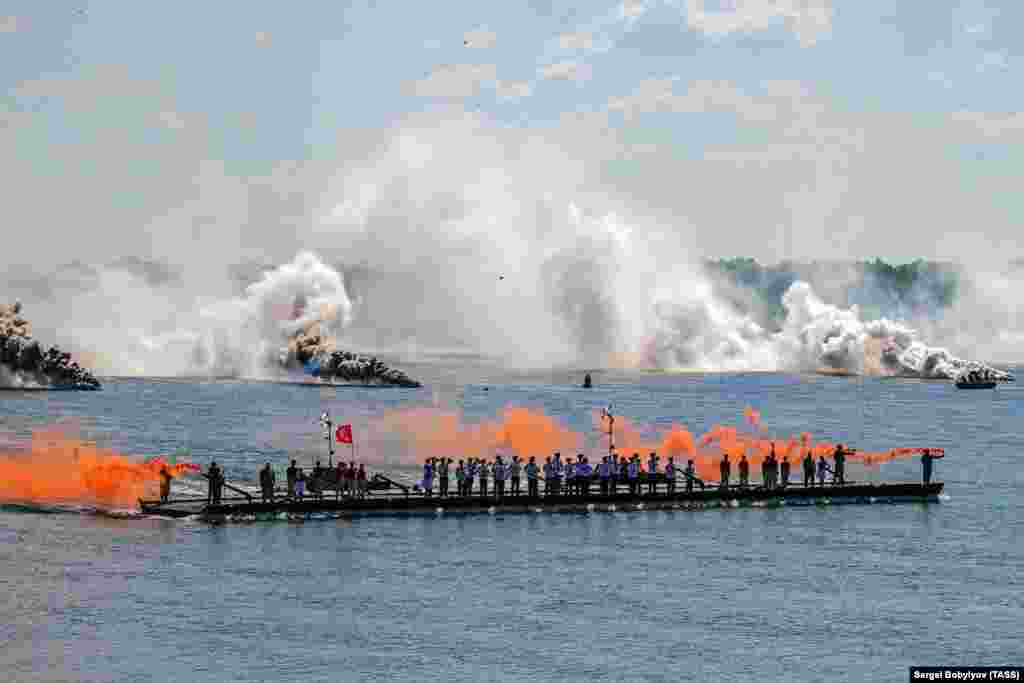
(802, 107)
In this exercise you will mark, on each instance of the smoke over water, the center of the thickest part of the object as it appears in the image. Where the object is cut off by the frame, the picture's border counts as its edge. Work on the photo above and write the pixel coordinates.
(245, 336)
(514, 249)
(702, 333)
(57, 469)
(417, 434)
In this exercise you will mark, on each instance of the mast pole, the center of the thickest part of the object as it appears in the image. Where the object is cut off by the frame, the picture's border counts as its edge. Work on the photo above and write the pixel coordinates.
(611, 428)
(328, 425)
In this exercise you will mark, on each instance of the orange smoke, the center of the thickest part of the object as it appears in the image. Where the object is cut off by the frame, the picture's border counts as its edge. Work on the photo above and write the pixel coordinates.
(431, 434)
(59, 469)
(426, 433)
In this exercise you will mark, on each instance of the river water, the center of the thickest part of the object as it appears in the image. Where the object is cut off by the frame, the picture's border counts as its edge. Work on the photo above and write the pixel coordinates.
(821, 593)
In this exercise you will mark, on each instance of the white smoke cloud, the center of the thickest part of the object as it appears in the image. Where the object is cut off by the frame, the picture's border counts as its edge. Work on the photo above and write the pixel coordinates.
(427, 217)
(245, 335)
(693, 330)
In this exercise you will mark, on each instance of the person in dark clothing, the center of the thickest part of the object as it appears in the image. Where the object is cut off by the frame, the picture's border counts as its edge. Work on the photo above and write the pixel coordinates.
(515, 469)
(652, 474)
(604, 474)
(584, 471)
(315, 485)
(744, 467)
(165, 485)
(927, 457)
(482, 473)
(785, 471)
(690, 473)
(291, 474)
(840, 465)
(808, 469)
(499, 477)
(267, 483)
(724, 470)
(532, 482)
(213, 477)
(442, 473)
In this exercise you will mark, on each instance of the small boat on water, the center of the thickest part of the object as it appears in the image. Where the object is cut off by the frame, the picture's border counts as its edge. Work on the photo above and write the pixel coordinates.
(963, 384)
(976, 379)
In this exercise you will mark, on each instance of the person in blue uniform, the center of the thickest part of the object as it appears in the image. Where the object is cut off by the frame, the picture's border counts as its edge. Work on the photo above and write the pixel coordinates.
(532, 484)
(583, 472)
(670, 476)
(691, 474)
(652, 474)
(633, 474)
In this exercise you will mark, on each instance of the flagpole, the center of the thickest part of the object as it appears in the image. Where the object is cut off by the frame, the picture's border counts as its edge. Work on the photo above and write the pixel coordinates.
(326, 421)
(611, 427)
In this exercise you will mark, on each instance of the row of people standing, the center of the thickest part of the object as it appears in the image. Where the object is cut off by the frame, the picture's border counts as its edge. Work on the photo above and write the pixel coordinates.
(573, 478)
(345, 480)
(775, 472)
(507, 476)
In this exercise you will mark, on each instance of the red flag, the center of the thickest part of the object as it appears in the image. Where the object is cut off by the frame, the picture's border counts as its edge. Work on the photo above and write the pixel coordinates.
(344, 434)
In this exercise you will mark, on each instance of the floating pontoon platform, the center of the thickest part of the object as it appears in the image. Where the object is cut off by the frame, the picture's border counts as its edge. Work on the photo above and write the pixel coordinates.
(417, 503)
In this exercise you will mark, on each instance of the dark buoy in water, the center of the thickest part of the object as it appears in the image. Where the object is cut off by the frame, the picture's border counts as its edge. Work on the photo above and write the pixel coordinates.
(586, 381)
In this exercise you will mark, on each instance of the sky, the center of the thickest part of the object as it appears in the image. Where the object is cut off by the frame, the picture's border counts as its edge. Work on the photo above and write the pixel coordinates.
(767, 128)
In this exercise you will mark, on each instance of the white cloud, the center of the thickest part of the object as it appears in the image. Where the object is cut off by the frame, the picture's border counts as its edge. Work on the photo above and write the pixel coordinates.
(455, 81)
(659, 95)
(480, 38)
(631, 9)
(514, 90)
(808, 20)
(172, 120)
(576, 41)
(990, 125)
(9, 24)
(566, 71)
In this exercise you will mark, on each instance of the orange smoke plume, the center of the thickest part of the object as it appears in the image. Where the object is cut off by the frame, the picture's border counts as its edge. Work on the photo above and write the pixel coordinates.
(426, 433)
(58, 469)
(518, 431)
